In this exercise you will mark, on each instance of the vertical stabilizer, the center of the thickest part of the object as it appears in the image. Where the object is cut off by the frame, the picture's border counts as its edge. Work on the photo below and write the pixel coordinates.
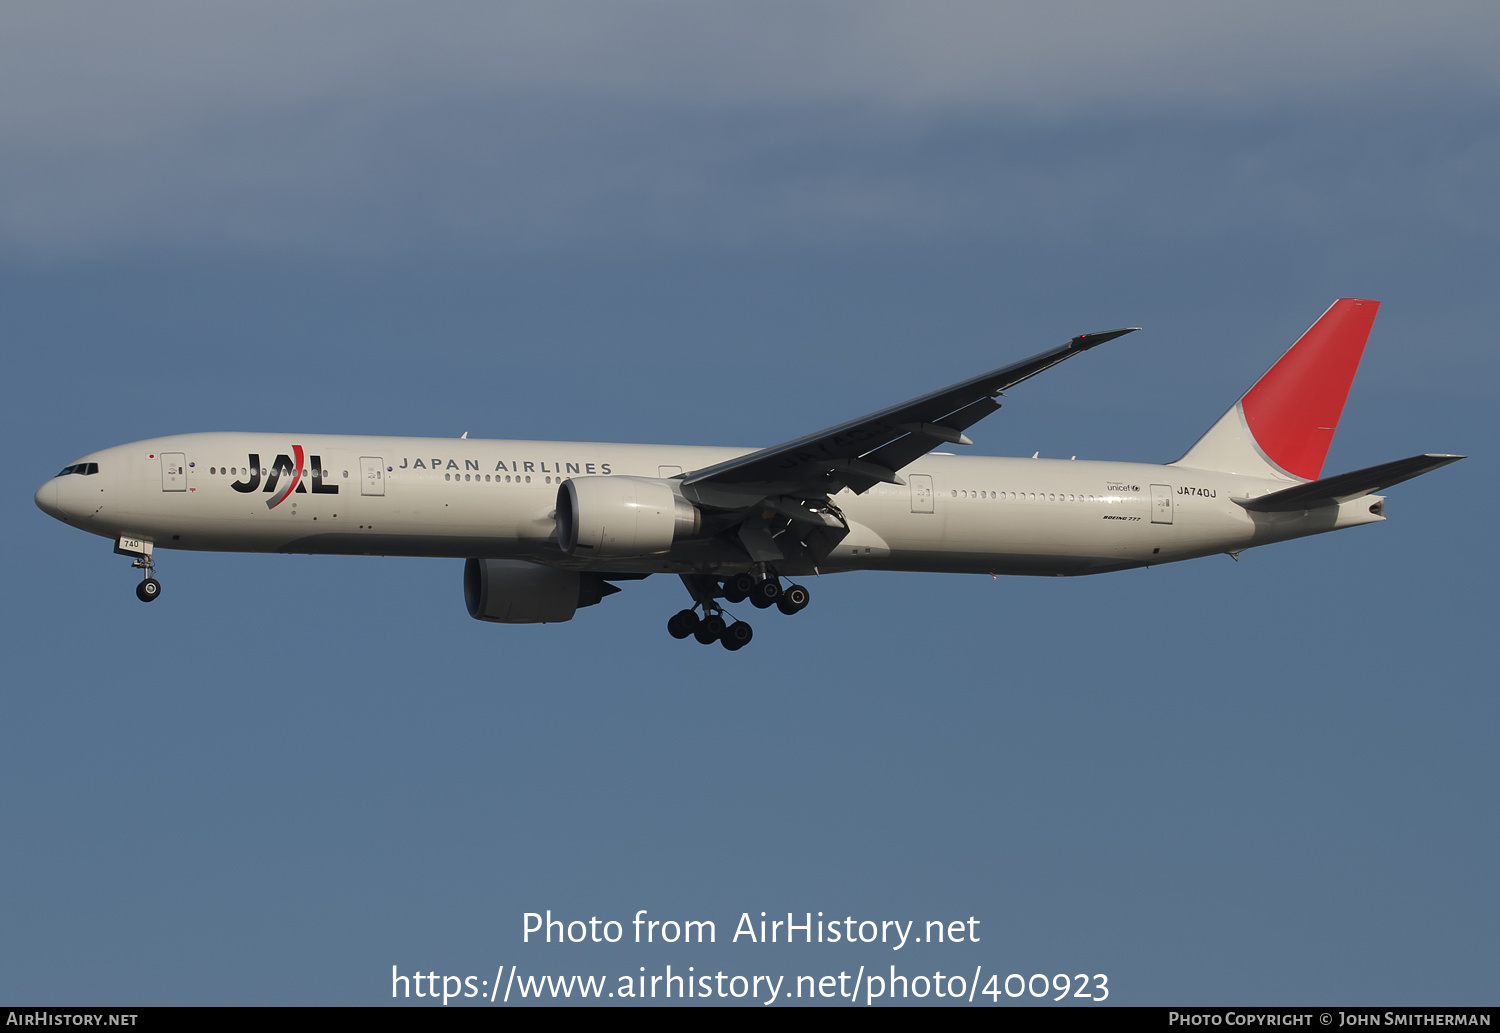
(1282, 427)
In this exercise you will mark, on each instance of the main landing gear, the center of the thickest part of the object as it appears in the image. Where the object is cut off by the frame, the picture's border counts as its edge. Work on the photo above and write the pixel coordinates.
(710, 629)
(149, 588)
(763, 590)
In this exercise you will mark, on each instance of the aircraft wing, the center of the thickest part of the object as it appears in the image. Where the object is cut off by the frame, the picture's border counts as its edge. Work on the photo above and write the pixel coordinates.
(869, 450)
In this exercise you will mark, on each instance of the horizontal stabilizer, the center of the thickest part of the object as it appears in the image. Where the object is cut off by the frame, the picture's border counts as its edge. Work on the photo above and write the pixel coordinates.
(1346, 486)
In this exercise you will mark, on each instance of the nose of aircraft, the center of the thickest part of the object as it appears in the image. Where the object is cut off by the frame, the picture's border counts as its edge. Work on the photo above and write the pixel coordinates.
(46, 499)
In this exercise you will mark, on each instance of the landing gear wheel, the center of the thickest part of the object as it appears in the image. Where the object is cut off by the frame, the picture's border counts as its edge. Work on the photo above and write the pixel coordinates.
(737, 636)
(793, 599)
(682, 624)
(709, 629)
(148, 590)
(766, 593)
(733, 592)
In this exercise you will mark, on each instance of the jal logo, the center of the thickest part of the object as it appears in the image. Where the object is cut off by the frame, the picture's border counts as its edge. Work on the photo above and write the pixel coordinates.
(289, 466)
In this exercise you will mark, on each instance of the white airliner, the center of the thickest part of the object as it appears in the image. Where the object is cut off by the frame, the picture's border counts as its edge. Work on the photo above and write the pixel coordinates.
(546, 527)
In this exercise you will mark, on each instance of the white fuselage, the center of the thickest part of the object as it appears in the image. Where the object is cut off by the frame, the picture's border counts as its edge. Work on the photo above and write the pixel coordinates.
(497, 499)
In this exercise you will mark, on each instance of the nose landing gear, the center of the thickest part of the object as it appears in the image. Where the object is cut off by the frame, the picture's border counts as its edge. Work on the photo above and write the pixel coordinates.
(149, 588)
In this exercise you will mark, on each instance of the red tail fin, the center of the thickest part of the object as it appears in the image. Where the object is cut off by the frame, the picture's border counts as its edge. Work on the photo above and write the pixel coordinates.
(1286, 422)
(1294, 409)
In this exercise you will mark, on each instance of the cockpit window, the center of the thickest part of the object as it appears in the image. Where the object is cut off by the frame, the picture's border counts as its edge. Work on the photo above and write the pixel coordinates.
(79, 468)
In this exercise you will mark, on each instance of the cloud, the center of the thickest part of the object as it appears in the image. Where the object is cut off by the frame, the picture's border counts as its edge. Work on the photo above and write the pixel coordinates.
(373, 128)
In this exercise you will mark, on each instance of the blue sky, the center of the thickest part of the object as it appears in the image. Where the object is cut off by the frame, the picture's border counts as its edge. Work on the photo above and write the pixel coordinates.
(1265, 782)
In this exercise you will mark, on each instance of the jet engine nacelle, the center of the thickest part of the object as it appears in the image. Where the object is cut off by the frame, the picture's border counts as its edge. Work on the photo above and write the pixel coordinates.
(517, 592)
(621, 517)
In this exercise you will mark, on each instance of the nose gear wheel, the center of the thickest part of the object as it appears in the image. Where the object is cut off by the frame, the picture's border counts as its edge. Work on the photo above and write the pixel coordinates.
(149, 588)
